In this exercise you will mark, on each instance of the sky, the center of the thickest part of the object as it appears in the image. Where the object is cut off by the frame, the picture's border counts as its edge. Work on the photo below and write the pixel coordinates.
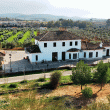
(70, 8)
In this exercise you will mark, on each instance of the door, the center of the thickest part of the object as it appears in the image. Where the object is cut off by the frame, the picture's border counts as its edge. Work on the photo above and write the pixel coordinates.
(63, 56)
(107, 53)
(54, 56)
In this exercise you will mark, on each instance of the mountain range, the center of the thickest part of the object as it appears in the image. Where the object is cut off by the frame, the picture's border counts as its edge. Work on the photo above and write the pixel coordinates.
(44, 17)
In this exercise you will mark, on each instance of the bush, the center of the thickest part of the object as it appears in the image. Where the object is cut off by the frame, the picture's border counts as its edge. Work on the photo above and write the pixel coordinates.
(24, 81)
(41, 79)
(13, 85)
(87, 92)
(55, 79)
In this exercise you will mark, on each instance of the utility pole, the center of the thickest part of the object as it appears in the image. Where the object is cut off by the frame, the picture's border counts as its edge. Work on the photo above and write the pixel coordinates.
(10, 62)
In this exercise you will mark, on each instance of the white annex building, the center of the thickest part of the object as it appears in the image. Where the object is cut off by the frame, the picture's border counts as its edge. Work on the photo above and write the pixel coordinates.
(64, 45)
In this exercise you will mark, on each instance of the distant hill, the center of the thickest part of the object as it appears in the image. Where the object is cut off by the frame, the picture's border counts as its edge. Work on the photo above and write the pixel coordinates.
(42, 17)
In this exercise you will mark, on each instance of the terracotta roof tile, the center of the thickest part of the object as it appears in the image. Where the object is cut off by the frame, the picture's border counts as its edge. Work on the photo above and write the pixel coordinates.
(57, 35)
(90, 46)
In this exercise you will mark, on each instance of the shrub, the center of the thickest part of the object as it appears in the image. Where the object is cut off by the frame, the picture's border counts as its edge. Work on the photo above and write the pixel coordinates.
(35, 85)
(13, 85)
(55, 79)
(41, 79)
(24, 81)
(87, 92)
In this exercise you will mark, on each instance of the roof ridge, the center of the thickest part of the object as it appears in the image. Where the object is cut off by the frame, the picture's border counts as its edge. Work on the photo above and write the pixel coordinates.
(44, 36)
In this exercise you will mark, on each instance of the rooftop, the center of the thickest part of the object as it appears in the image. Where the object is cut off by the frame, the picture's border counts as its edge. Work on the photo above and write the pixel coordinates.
(33, 49)
(90, 46)
(57, 35)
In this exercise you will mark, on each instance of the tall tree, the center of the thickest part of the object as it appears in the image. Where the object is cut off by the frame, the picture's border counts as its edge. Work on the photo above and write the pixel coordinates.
(81, 74)
(102, 75)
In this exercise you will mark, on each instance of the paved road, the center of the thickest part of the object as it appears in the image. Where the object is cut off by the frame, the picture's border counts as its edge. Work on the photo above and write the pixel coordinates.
(29, 77)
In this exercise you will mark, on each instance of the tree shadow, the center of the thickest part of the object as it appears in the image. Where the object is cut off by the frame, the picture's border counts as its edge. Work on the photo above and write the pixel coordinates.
(44, 91)
(74, 102)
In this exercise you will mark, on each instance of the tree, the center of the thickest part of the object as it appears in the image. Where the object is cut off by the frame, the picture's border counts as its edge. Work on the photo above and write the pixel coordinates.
(102, 75)
(81, 74)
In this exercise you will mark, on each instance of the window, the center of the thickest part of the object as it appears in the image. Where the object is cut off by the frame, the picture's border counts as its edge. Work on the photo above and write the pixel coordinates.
(54, 44)
(69, 55)
(90, 54)
(75, 56)
(36, 57)
(84, 54)
(76, 43)
(45, 44)
(96, 54)
(70, 43)
(63, 43)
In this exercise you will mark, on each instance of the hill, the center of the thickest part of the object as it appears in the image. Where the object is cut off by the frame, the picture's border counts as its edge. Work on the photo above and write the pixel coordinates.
(41, 17)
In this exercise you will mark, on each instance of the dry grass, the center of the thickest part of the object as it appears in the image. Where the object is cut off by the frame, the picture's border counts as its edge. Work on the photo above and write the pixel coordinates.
(71, 95)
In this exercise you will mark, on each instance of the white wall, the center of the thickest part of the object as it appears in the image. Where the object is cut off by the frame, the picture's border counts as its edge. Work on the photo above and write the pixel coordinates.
(100, 54)
(47, 51)
(32, 57)
(59, 46)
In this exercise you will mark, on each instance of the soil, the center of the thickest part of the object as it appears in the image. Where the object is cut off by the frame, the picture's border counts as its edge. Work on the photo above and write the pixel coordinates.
(73, 93)
(16, 48)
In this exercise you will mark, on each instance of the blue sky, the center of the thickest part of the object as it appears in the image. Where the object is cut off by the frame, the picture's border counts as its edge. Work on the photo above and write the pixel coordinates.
(71, 8)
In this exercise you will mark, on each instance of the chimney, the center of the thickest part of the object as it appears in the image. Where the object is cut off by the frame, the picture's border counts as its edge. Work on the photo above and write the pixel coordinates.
(101, 44)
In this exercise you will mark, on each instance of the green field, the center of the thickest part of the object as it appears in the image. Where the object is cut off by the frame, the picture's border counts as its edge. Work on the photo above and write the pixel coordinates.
(35, 33)
(10, 39)
(25, 36)
(17, 37)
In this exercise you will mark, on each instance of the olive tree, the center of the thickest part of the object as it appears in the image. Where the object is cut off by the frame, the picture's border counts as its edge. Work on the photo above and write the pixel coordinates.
(81, 74)
(102, 75)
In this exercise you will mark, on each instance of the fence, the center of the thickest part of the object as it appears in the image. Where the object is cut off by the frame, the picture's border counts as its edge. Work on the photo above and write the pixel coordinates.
(35, 67)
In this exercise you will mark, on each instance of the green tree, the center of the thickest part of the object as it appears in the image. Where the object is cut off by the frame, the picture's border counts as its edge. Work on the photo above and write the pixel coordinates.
(81, 74)
(102, 75)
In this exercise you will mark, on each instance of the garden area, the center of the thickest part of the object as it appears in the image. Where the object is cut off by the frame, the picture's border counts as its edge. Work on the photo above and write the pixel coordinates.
(81, 90)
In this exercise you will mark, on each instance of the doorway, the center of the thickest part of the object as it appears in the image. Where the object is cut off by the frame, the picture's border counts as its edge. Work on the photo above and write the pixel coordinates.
(107, 53)
(63, 56)
(54, 56)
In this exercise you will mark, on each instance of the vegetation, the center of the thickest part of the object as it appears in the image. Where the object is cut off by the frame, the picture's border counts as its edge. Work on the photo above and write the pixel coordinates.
(87, 92)
(102, 75)
(41, 80)
(81, 74)
(13, 85)
(24, 81)
(55, 79)
(30, 99)
(19, 37)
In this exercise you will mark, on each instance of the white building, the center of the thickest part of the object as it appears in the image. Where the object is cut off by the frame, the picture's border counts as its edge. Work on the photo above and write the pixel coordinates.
(63, 45)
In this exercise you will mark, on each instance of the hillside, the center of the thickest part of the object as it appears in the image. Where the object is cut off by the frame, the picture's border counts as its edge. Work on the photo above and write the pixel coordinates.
(42, 17)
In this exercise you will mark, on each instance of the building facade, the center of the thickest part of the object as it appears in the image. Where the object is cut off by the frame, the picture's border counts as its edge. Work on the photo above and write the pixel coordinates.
(63, 45)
